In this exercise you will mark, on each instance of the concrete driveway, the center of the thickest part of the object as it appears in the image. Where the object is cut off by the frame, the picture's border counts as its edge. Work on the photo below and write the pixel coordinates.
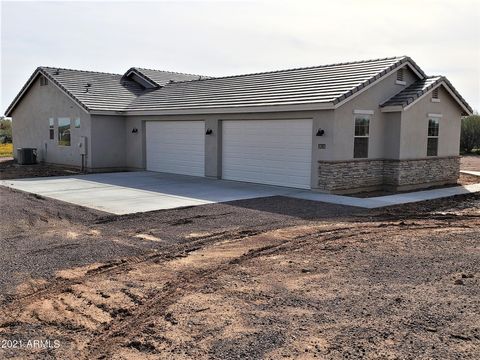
(131, 192)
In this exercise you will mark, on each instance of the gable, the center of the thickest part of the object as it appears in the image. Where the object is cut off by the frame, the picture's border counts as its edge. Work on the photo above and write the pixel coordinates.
(34, 81)
(90, 90)
(422, 88)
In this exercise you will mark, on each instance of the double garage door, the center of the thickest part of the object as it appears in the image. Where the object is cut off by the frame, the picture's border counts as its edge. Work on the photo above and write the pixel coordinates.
(275, 152)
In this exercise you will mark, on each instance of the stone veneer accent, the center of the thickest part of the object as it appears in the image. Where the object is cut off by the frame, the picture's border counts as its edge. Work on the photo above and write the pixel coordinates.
(349, 176)
(422, 171)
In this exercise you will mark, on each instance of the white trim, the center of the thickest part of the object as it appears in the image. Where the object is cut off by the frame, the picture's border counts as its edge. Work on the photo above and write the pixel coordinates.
(363, 112)
(400, 82)
(377, 81)
(395, 108)
(435, 100)
(435, 115)
(361, 136)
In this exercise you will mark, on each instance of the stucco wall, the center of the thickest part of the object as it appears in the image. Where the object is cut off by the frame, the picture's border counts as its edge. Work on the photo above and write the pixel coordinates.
(108, 142)
(370, 99)
(30, 125)
(392, 130)
(413, 142)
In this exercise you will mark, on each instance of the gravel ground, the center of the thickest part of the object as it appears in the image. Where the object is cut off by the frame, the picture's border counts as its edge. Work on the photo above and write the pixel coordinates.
(254, 279)
(42, 236)
(265, 279)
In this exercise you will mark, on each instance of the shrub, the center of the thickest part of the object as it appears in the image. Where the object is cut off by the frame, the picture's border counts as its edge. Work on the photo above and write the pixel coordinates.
(6, 128)
(470, 136)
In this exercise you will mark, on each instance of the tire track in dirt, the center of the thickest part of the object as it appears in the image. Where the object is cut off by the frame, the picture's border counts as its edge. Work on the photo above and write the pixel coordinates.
(136, 290)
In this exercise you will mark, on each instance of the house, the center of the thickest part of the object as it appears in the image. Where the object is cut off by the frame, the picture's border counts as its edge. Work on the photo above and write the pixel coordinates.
(333, 128)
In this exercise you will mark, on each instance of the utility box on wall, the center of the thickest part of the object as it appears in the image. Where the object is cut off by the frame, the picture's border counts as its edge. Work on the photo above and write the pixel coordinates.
(82, 145)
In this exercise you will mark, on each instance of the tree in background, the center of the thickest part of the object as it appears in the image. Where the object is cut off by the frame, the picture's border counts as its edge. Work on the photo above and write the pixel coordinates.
(5, 130)
(470, 136)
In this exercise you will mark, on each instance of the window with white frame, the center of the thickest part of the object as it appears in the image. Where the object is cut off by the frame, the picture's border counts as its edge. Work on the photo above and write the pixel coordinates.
(360, 141)
(51, 128)
(432, 140)
(64, 131)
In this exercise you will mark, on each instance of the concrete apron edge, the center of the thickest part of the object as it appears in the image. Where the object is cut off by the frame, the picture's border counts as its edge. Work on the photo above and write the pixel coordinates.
(389, 200)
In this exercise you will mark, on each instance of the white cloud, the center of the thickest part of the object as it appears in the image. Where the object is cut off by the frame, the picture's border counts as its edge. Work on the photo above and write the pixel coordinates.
(221, 38)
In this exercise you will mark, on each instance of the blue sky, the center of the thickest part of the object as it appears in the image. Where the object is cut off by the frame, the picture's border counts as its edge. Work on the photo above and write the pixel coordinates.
(232, 37)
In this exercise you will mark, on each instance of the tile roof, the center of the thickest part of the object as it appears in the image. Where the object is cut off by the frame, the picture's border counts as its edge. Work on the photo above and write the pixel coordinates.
(418, 89)
(328, 84)
(318, 84)
(91, 90)
(162, 78)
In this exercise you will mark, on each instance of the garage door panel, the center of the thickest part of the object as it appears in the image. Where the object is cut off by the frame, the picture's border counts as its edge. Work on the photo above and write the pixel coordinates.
(273, 165)
(176, 147)
(276, 152)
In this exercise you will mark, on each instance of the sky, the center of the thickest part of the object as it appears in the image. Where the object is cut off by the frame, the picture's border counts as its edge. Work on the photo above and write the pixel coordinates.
(233, 37)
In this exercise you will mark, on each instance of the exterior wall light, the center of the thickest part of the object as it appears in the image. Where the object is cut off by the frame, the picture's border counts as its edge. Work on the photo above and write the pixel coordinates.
(134, 130)
(320, 132)
(209, 132)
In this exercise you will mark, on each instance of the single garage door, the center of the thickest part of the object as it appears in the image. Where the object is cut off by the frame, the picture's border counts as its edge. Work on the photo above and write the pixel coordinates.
(176, 147)
(276, 152)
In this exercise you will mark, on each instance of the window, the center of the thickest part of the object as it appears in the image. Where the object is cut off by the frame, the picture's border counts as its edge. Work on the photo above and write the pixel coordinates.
(64, 131)
(43, 81)
(51, 128)
(432, 141)
(362, 129)
(435, 97)
(77, 123)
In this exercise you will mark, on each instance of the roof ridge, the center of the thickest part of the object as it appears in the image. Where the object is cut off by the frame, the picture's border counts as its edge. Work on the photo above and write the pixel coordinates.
(300, 68)
(167, 71)
(86, 71)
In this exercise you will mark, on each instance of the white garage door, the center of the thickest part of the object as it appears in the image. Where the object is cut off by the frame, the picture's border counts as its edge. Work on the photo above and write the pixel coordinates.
(176, 147)
(276, 152)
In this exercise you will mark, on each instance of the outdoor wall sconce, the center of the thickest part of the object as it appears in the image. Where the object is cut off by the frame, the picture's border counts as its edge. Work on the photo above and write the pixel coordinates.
(134, 130)
(209, 132)
(320, 132)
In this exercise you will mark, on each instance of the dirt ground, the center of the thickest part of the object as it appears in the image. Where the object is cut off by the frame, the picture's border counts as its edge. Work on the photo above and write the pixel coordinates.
(471, 162)
(255, 279)
(11, 170)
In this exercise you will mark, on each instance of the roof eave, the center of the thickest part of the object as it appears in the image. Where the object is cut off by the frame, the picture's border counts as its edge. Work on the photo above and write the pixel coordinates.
(233, 110)
(406, 61)
(450, 89)
(31, 80)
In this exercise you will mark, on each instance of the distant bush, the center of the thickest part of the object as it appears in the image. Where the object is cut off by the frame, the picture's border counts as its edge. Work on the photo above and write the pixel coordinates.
(6, 130)
(470, 136)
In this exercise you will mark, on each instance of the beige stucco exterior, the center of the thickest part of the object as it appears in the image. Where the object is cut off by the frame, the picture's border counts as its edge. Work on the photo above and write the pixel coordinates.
(414, 126)
(113, 144)
(369, 99)
(30, 125)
